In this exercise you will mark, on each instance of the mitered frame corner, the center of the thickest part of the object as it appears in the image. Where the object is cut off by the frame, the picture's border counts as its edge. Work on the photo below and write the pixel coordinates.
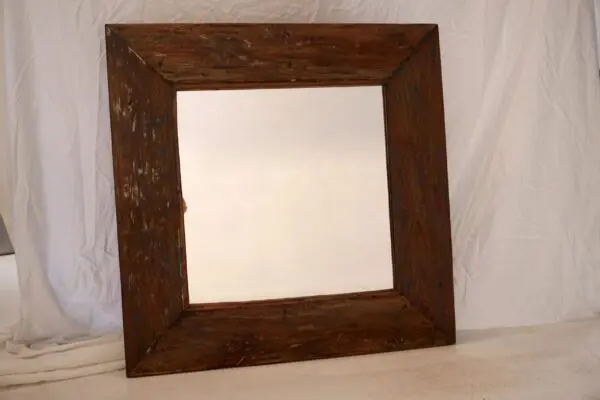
(148, 64)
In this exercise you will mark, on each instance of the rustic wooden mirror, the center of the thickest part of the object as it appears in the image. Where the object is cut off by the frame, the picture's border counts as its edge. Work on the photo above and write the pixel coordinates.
(148, 64)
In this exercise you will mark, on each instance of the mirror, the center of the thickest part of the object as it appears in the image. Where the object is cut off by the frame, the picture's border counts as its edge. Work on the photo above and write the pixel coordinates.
(286, 192)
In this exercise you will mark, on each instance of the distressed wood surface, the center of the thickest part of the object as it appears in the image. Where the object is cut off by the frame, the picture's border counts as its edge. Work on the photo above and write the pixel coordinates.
(256, 333)
(267, 55)
(147, 64)
(147, 199)
(418, 185)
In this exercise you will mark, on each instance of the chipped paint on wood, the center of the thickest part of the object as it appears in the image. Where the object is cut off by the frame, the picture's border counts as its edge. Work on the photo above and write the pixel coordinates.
(142, 103)
(299, 53)
(163, 333)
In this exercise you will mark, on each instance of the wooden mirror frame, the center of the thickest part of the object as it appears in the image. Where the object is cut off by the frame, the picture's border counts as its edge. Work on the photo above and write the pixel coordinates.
(163, 332)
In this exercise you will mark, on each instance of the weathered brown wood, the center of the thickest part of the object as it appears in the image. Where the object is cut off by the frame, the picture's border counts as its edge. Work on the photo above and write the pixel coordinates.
(418, 185)
(241, 335)
(269, 55)
(163, 333)
(147, 198)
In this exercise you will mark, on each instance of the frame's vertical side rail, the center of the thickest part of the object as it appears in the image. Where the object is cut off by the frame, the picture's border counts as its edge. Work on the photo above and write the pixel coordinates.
(147, 196)
(418, 185)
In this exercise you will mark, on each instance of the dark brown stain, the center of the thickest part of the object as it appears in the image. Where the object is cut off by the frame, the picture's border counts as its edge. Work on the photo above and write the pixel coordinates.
(163, 333)
(418, 186)
(277, 331)
(200, 56)
(147, 195)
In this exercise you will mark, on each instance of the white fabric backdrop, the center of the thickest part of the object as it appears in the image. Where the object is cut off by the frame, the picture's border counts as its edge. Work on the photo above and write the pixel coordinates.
(522, 108)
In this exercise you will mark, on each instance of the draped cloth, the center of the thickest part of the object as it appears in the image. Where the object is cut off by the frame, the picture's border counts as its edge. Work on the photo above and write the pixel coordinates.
(522, 99)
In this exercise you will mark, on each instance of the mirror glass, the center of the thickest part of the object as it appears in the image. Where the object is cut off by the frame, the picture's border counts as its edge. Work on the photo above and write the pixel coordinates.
(286, 192)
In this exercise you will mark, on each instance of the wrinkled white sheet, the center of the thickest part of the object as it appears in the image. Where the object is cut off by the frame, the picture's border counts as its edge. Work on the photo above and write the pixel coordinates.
(522, 108)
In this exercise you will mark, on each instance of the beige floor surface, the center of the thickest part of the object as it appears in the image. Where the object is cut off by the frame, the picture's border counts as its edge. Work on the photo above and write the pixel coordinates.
(559, 361)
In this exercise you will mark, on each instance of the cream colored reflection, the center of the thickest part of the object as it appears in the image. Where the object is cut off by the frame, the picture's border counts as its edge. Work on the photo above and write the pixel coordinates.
(285, 192)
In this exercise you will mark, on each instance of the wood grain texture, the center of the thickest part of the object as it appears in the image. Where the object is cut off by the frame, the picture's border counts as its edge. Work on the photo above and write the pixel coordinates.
(147, 198)
(271, 55)
(418, 185)
(147, 64)
(270, 332)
